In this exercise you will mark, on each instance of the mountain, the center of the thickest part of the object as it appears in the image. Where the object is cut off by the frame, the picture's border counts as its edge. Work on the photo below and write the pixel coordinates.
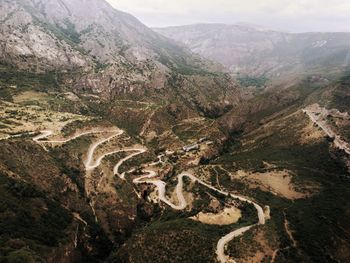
(119, 145)
(254, 51)
(73, 27)
(97, 49)
(72, 66)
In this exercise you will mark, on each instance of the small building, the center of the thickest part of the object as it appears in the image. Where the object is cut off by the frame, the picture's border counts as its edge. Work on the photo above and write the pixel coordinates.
(191, 147)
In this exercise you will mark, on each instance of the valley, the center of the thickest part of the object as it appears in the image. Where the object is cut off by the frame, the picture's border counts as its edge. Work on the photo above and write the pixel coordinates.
(93, 162)
(259, 56)
(177, 178)
(208, 143)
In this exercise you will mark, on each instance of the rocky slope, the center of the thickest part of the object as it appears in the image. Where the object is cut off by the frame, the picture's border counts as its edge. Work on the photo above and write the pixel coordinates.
(97, 49)
(252, 51)
(83, 57)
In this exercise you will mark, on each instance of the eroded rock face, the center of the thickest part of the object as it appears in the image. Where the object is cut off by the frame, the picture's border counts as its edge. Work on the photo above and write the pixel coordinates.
(26, 44)
(110, 54)
(74, 33)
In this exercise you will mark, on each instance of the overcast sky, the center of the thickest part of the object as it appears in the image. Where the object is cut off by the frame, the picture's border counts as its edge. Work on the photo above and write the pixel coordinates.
(287, 15)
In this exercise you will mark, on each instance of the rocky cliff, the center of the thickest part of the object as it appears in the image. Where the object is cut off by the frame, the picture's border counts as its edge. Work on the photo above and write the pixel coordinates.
(100, 50)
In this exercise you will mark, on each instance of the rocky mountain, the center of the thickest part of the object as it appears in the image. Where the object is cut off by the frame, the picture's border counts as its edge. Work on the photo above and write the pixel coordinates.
(249, 50)
(72, 65)
(119, 145)
(100, 50)
(55, 31)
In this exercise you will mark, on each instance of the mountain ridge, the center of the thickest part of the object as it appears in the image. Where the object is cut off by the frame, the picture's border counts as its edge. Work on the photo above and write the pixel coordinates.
(108, 53)
(265, 53)
(119, 145)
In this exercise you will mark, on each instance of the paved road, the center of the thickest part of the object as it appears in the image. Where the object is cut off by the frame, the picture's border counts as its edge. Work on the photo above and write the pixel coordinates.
(318, 117)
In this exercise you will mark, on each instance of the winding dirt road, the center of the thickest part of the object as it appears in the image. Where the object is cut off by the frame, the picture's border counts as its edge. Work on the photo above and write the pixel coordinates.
(161, 187)
(91, 163)
(47, 133)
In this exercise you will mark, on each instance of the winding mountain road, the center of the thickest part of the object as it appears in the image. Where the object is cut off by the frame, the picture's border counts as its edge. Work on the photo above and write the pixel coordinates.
(318, 116)
(92, 163)
(48, 133)
(137, 151)
(161, 187)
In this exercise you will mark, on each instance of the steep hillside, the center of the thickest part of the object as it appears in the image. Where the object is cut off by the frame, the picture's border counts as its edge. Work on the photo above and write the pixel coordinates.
(118, 145)
(258, 52)
(77, 66)
(271, 103)
(89, 47)
(308, 209)
(90, 29)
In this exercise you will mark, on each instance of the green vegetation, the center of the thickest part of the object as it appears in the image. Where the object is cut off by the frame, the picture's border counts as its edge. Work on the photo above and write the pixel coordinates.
(179, 239)
(70, 32)
(316, 220)
(171, 234)
(69, 165)
(42, 191)
(13, 81)
(21, 255)
(28, 215)
(67, 34)
(72, 127)
(192, 130)
(281, 148)
(180, 61)
(38, 213)
(341, 94)
(248, 81)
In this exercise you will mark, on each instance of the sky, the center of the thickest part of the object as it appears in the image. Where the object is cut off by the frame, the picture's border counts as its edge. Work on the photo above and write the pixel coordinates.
(284, 15)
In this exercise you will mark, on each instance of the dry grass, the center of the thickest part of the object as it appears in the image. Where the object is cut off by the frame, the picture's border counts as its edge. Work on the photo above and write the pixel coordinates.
(265, 249)
(226, 217)
(16, 119)
(277, 182)
(310, 134)
(31, 96)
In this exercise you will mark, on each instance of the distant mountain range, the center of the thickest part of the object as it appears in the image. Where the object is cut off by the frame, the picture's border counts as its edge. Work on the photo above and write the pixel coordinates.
(255, 51)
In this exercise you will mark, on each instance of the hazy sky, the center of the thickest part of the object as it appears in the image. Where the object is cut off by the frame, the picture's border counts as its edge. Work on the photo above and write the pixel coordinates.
(287, 15)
